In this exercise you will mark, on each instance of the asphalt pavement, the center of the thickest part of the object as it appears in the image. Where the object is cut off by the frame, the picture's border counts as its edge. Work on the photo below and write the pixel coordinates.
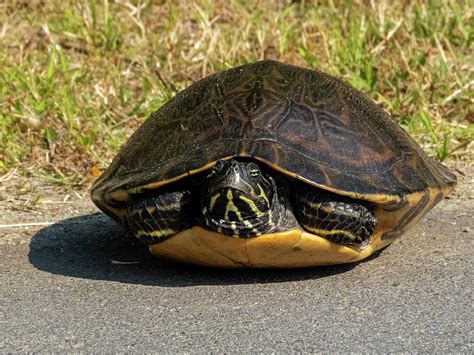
(81, 285)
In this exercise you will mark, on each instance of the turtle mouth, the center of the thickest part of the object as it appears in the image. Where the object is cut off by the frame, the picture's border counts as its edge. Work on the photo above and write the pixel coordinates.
(249, 228)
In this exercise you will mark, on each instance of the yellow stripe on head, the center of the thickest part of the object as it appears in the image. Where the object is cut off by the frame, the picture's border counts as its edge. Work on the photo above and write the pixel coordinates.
(252, 205)
(231, 207)
(213, 201)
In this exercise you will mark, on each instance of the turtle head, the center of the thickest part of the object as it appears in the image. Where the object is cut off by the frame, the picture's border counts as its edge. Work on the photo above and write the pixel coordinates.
(238, 196)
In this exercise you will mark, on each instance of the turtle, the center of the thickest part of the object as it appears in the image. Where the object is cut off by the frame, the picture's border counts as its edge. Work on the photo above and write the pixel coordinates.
(270, 165)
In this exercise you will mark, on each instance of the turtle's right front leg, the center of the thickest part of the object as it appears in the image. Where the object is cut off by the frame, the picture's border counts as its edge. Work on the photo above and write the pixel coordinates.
(157, 217)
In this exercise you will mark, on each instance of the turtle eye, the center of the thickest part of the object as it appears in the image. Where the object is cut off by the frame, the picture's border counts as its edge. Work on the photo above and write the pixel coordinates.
(253, 170)
(214, 170)
(254, 173)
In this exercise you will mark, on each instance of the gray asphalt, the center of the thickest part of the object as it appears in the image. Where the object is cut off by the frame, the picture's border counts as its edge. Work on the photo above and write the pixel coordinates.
(71, 286)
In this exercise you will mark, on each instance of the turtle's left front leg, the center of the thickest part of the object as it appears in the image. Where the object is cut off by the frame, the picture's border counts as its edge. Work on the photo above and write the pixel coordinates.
(340, 219)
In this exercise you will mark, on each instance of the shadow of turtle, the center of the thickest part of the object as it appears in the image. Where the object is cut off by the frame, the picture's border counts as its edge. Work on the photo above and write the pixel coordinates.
(94, 247)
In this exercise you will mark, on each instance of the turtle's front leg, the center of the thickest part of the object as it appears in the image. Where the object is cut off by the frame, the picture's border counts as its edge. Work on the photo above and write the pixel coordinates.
(340, 219)
(157, 217)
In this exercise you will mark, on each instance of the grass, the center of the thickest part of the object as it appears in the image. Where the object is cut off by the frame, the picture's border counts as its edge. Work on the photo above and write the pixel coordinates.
(78, 77)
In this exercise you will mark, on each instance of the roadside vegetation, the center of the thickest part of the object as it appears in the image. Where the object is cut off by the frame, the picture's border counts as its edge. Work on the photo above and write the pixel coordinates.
(78, 77)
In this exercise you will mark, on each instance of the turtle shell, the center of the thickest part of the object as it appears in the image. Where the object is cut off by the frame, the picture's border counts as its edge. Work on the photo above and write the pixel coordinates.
(304, 123)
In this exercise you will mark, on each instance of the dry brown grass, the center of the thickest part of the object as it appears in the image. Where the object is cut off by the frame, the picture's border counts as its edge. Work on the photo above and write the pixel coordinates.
(77, 77)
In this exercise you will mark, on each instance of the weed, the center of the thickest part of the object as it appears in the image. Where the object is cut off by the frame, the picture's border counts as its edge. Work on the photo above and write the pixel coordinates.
(77, 77)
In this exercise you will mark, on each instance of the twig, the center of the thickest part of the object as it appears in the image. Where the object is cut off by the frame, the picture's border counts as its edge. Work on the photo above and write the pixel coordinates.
(167, 84)
(9, 175)
(457, 92)
(20, 225)
(390, 34)
(124, 262)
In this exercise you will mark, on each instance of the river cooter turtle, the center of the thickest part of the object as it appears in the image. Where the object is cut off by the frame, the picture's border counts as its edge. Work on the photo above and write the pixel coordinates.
(270, 165)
